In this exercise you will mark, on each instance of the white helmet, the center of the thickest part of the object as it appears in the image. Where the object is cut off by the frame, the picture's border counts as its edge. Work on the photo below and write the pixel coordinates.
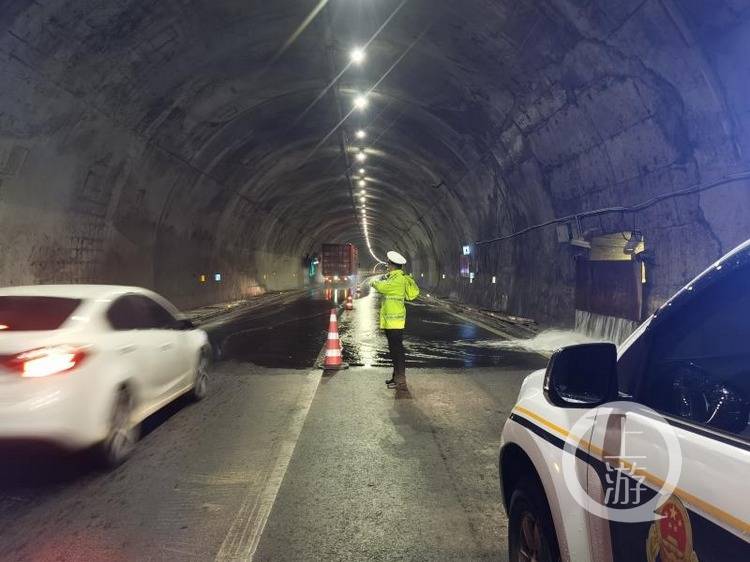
(396, 258)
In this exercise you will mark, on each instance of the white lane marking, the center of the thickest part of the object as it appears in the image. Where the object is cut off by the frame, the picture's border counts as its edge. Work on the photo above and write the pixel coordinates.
(247, 528)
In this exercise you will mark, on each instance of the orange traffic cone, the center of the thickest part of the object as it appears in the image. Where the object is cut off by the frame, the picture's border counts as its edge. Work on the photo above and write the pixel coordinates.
(349, 303)
(334, 360)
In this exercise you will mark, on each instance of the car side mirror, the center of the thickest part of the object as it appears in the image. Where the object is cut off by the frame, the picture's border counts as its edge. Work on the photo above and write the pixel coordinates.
(184, 324)
(582, 376)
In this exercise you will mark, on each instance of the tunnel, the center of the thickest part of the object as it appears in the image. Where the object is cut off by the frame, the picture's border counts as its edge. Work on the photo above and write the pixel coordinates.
(550, 205)
(162, 143)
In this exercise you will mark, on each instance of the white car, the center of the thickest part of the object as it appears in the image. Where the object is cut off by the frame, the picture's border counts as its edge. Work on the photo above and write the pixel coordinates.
(83, 365)
(641, 453)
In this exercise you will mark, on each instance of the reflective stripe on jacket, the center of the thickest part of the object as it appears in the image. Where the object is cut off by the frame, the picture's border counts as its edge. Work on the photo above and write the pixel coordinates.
(394, 291)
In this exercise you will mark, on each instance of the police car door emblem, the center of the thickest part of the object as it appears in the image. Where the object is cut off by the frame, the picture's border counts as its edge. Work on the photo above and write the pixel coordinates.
(671, 537)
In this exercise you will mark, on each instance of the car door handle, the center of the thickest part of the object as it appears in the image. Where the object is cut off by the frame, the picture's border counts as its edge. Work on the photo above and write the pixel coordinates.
(166, 346)
(127, 349)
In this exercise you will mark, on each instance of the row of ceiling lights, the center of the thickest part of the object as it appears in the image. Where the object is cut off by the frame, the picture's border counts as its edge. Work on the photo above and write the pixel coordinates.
(361, 102)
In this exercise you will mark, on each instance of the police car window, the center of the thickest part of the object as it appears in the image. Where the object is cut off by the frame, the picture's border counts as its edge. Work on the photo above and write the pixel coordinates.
(698, 367)
(126, 313)
(629, 367)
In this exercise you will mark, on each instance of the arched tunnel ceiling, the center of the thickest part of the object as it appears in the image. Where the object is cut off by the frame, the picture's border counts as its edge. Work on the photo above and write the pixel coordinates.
(132, 130)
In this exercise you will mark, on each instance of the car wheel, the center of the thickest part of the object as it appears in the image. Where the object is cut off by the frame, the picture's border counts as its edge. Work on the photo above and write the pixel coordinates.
(200, 386)
(531, 532)
(122, 435)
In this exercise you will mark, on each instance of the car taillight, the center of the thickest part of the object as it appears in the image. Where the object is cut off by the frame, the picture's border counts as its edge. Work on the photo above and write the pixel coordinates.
(46, 361)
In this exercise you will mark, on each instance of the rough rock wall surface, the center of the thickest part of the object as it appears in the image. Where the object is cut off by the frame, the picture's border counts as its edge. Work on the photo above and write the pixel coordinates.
(152, 142)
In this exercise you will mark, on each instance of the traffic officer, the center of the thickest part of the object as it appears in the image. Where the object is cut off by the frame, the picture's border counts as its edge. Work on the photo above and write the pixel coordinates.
(396, 287)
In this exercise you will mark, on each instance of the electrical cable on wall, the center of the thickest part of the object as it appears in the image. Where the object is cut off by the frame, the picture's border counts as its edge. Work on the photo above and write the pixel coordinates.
(632, 209)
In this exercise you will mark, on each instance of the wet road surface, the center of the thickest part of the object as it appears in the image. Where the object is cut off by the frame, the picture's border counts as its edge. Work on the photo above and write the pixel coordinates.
(175, 499)
(433, 338)
(281, 464)
(289, 332)
(377, 478)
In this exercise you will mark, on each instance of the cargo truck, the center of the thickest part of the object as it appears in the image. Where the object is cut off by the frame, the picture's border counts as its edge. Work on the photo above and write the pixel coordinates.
(340, 262)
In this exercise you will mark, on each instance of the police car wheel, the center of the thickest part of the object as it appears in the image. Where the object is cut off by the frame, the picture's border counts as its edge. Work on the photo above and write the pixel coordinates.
(531, 533)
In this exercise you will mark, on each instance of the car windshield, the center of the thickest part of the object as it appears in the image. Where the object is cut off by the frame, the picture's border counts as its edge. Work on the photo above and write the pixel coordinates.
(22, 314)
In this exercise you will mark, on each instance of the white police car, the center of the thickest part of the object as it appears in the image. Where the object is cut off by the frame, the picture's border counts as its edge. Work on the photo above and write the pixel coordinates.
(659, 476)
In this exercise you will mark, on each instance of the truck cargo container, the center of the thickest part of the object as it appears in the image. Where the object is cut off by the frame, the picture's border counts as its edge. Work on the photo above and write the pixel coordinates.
(340, 262)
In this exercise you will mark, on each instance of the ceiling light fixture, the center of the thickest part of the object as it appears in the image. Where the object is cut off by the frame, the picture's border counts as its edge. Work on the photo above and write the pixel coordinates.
(357, 56)
(361, 102)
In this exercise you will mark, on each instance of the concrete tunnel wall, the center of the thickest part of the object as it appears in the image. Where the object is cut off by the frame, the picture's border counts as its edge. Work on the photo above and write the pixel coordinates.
(151, 142)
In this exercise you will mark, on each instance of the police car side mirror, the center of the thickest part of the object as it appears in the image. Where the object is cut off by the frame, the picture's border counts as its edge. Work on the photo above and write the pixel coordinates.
(582, 376)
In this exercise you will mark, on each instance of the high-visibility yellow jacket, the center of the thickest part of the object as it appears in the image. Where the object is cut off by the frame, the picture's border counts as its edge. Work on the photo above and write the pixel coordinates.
(396, 289)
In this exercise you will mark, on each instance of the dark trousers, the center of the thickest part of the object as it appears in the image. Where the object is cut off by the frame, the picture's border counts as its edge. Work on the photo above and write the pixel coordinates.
(398, 354)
